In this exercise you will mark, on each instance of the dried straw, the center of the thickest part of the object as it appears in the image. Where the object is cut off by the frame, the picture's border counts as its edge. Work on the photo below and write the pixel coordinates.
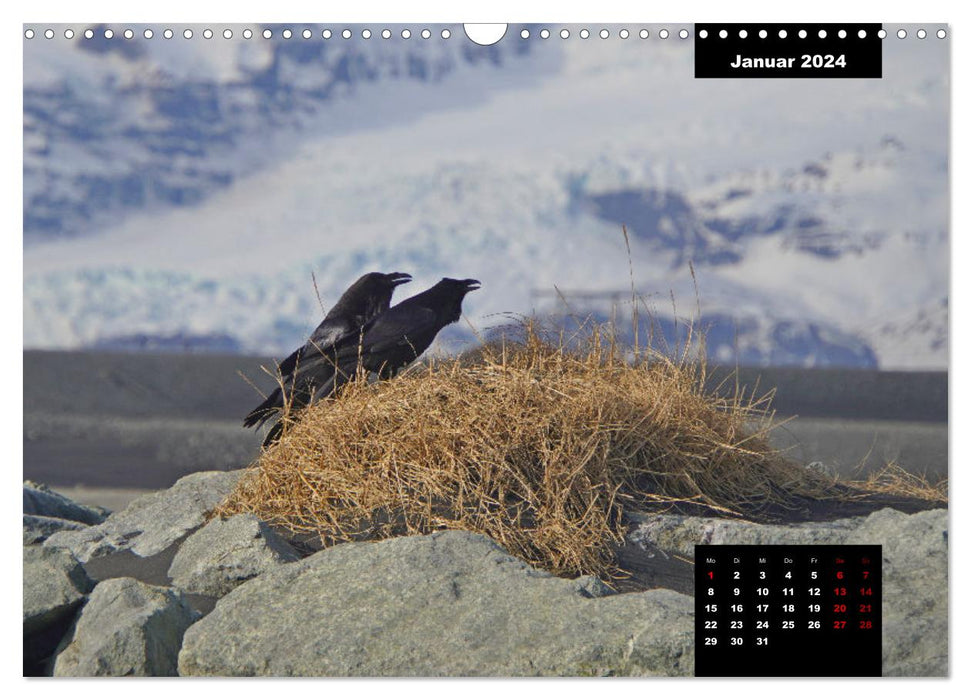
(538, 442)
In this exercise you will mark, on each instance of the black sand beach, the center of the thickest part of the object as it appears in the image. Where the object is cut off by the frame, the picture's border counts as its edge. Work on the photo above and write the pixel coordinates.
(106, 426)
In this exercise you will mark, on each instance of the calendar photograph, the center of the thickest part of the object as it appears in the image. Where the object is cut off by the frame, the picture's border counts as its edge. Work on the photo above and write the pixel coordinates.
(443, 350)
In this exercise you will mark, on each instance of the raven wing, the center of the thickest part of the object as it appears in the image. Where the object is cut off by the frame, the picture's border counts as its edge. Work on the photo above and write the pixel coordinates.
(392, 331)
(393, 339)
(304, 365)
(326, 334)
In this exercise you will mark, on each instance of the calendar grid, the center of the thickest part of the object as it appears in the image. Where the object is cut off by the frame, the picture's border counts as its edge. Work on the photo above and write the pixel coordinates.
(788, 610)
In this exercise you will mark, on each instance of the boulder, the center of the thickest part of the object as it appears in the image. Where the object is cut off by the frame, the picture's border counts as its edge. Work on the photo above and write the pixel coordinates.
(37, 528)
(680, 533)
(225, 553)
(915, 589)
(127, 628)
(41, 500)
(54, 586)
(153, 522)
(446, 604)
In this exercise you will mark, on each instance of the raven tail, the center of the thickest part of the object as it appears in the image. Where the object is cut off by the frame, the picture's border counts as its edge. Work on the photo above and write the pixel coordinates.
(275, 432)
(266, 410)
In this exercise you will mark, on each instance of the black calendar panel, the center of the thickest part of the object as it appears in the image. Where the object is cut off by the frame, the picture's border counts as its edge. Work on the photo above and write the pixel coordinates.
(788, 610)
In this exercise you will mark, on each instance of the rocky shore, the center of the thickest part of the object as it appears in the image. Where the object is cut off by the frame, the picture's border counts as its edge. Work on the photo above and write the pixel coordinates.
(154, 590)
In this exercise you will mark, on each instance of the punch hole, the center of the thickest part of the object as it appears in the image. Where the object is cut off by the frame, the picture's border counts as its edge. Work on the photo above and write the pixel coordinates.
(723, 34)
(921, 34)
(267, 34)
(346, 34)
(882, 33)
(763, 34)
(783, 33)
(742, 34)
(287, 34)
(366, 34)
(901, 33)
(228, 34)
(247, 33)
(49, 34)
(386, 34)
(841, 33)
(109, 34)
(604, 33)
(644, 34)
(168, 34)
(584, 33)
(822, 33)
(486, 34)
(941, 34)
(405, 33)
(88, 34)
(306, 33)
(148, 34)
(545, 34)
(683, 34)
(187, 33)
(564, 33)
(663, 33)
(803, 34)
(446, 34)
(327, 34)
(524, 34)
(861, 33)
(68, 33)
(207, 34)
(703, 34)
(129, 34)
(29, 34)
(426, 33)
(624, 33)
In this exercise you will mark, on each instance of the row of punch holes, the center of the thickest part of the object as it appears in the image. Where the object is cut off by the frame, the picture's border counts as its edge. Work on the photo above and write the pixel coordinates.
(346, 33)
(842, 34)
(446, 34)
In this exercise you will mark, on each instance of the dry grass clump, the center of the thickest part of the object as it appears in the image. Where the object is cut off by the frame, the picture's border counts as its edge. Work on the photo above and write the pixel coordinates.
(538, 443)
(893, 480)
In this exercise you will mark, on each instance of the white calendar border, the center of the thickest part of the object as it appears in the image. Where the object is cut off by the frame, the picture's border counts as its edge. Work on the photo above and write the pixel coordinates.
(494, 11)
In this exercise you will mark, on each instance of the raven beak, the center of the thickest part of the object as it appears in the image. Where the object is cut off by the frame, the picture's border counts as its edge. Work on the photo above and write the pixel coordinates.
(472, 285)
(399, 278)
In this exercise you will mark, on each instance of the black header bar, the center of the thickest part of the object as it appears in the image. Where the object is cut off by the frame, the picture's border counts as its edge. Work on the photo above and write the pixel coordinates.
(788, 51)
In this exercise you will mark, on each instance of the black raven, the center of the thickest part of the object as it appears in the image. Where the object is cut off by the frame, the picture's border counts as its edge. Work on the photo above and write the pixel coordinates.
(309, 365)
(397, 337)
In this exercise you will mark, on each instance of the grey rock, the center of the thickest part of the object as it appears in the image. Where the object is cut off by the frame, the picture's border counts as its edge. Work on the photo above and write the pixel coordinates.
(449, 603)
(225, 553)
(41, 500)
(680, 534)
(591, 587)
(915, 601)
(915, 588)
(153, 522)
(38, 528)
(127, 628)
(55, 584)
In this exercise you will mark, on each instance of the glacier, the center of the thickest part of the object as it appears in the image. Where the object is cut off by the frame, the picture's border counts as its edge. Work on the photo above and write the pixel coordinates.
(188, 194)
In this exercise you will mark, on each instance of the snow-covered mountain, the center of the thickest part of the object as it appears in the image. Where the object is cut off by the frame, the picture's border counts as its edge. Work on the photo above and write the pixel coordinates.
(179, 194)
(118, 125)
